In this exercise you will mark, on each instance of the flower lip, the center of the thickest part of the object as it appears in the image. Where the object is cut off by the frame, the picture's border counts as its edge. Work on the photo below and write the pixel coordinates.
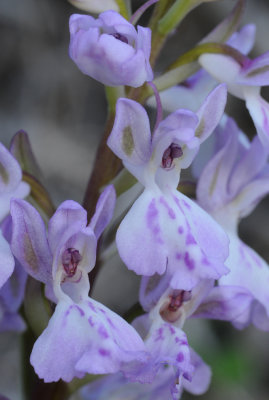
(172, 152)
(70, 260)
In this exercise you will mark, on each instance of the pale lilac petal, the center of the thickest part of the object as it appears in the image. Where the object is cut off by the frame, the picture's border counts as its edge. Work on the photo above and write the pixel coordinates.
(144, 42)
(172, 233)
(259, 111)
(142, 248)
(167, 345)
(7, 261)
(248, 271)
(84, 337)
(151, 289)
(189, 95)
(201, 376)
(10, 171)
(212, 185)
(260, 317)
(221, 67)
(68, 214)
(227, 303)
(252, 162)
(29, 242)
(130, 138)
(211, 111)
(257, 72)
(104, 211)
(244, 39)
(12, 292)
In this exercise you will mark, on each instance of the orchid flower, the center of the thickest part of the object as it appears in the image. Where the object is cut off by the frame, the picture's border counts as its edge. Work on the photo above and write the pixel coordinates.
(83, 336)
(11, 185)
(190, 94)
(244, 78)
(110, 50)
(164, 230)
(230, 186)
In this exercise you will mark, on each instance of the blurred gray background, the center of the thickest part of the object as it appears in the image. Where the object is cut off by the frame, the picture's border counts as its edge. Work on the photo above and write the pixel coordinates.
(64, 112)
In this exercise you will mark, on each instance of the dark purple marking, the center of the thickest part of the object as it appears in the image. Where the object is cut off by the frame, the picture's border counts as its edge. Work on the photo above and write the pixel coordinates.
(180, 230)
(172, 152)
(82, 313)
(120, 37)
(186, 204)
(172, 330)
(180, 357)
(159, 335)
(190, 239)
(205, 261)
(102, 332)
(70, 260)
(190, 264)
(90, 320)
(152, 221)
(91, 306)
(171, 212)
(178, 256)
(187, 376)
(104, 352)
(110, 322)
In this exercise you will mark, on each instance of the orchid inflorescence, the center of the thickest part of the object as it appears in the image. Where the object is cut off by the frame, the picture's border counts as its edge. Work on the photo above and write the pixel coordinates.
(187, 250)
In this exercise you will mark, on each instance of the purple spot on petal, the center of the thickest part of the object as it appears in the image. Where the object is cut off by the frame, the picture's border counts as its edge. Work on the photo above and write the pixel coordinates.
(180, 357)
(152, 221)
(81, 312)
(102, 332)
(178, 256)
(90, 320)
(110, 322)
(189, 262)
(187, 205)
(187, 376)
(104, 352)
(180, 230)
(190, 239)
(172, 330)
(91, 306)
(170, 211)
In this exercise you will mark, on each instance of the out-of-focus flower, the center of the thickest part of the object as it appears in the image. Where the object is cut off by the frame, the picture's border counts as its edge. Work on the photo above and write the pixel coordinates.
(230, 186)
(11, 185)
(110, 50)
(192, 92)
(244, 78)
(164, 230)
(83, 336)
(95, 6)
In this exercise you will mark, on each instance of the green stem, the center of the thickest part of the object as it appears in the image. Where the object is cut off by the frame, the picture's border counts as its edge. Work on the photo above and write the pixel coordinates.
(176, 14)
(123, 9)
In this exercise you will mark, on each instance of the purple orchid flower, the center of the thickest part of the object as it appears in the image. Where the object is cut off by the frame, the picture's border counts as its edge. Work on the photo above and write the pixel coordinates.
(165, 230)
(244, 78)
(11, 185)
(110, 50)
(116, 387)
(230, 186)
(83, 336)
(191, 93)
